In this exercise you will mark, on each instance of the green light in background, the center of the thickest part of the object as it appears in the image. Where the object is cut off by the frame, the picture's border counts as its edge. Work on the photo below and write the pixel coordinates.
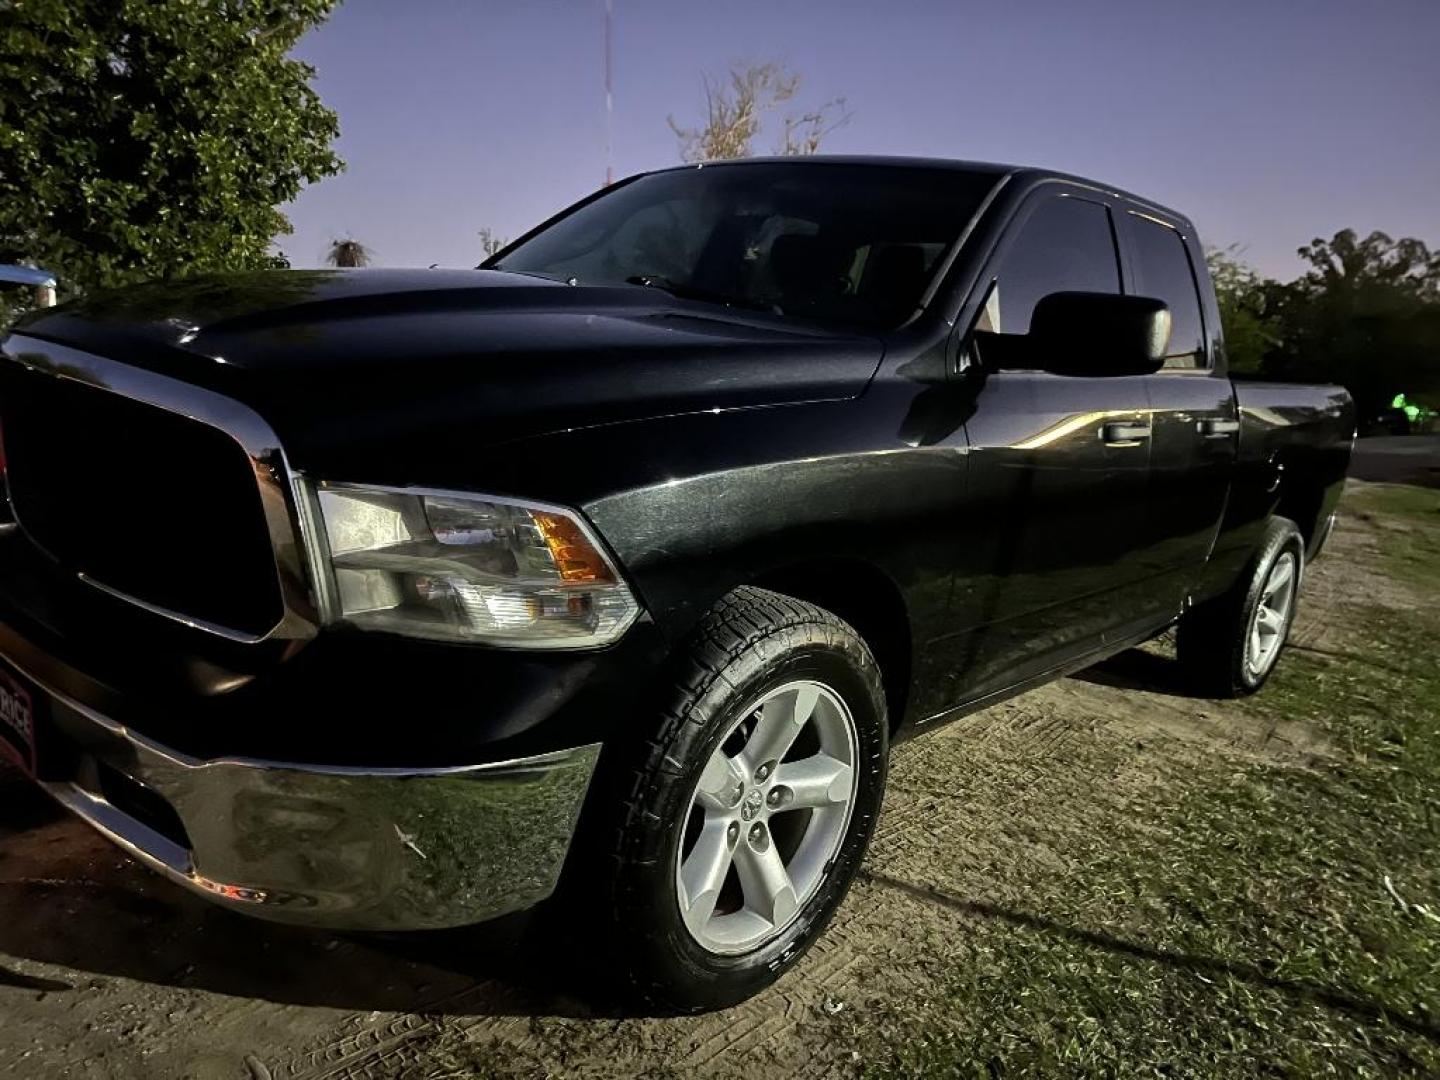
(1412, 412)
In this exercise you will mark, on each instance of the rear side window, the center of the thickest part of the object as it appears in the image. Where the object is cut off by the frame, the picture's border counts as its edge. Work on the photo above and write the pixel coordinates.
(1066, 245)
(1163, 271)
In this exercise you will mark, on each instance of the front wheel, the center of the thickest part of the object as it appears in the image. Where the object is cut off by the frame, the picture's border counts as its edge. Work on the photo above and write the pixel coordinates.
(1229, 645)
(749, 815)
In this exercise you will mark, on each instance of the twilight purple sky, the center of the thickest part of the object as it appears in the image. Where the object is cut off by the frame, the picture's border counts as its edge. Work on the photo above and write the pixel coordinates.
(1269, 122)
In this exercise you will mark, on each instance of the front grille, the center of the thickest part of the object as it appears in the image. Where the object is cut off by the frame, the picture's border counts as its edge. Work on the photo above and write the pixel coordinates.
(142, 501)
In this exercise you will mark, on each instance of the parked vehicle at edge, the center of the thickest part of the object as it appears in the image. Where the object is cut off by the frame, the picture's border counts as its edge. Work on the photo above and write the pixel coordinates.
(351, 599)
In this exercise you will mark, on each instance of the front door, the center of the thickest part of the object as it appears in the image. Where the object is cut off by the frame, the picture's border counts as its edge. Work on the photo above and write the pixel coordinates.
(1049, 564)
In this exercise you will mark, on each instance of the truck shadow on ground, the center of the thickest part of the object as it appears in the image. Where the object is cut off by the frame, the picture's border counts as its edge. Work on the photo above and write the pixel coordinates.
(1207, 966)
(1140, 669)
(68, 898)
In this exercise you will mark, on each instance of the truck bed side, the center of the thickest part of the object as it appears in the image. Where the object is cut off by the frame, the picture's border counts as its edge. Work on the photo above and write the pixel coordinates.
(1295, 443)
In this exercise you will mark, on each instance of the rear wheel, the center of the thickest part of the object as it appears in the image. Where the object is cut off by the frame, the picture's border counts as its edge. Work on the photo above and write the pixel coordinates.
(1229, 645)
(752, 808)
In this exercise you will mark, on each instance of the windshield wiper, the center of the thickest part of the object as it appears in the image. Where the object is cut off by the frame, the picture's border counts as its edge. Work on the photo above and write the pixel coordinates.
(541, 274)
(691, 292)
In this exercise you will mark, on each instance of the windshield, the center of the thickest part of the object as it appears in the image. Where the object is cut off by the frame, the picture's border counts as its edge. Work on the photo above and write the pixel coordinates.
(845, 243)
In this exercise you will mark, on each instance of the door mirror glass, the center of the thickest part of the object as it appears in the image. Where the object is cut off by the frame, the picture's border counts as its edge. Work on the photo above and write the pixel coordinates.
(1084, 334)
(26, 275)
(42, 281)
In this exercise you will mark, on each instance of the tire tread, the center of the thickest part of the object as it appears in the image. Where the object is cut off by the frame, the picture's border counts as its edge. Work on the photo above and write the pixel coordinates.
(745, 620)
(1210, 638)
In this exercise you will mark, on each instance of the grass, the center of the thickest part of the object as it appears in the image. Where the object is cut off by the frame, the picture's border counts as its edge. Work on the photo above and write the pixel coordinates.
(1409, 518)
(1241, 924)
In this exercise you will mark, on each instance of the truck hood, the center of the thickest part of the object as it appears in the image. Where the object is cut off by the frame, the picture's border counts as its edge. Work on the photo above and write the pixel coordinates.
(352, 368)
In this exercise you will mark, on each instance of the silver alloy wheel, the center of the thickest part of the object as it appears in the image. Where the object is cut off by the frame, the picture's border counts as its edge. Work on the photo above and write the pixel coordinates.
(1272, 615)
(767, 817)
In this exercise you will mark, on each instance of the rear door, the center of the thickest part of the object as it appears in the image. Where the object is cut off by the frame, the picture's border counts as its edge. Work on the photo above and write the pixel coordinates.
(1194, 423)
(1051, 561)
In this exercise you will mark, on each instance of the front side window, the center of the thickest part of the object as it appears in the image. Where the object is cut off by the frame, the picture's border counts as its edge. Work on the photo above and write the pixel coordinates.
(1163, 271)
(833, 242)
(1066, 245)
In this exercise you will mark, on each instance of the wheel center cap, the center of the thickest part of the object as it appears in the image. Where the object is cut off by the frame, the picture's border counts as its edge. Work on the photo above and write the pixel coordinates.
(751, 805)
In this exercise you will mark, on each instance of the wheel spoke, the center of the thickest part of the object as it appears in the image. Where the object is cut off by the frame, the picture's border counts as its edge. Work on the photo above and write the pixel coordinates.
(780, 721)
(1257, 647)
(765, 882)
(721, 783)
(815, 781)
(1279, 578)
(736, 887)
(703, 872)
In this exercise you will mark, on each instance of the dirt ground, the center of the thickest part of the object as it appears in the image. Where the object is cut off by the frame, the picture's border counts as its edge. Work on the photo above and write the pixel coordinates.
(108, 971)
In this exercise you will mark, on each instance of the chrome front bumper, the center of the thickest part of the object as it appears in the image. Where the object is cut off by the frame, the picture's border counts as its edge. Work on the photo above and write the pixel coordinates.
(347, 849)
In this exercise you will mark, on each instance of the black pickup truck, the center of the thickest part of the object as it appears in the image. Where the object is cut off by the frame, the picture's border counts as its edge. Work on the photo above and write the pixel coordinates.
(352, 598)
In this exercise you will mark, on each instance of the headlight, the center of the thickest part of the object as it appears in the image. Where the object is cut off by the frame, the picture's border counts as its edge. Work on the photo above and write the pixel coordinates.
(470, 568)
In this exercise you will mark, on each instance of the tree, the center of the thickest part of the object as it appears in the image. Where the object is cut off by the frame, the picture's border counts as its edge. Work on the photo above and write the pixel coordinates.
(1374, 268)
(145, 138)
(804, 133)
(349, 253)
(490, 243)
(1366, 314)
(734, 112)
(1242, 295)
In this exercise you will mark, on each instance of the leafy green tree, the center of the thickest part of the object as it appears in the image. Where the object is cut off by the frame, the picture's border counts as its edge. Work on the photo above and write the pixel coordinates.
(147, 138)
(1242, 294)
(349, 253)
(1366, 315)
(1374, 270)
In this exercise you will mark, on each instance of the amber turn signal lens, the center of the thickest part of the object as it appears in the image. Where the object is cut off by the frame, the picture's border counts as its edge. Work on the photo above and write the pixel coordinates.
(575, 557)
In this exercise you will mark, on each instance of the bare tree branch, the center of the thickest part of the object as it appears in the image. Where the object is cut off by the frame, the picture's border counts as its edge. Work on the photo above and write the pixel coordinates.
(804, 133)
(489, 242)
(734, 112)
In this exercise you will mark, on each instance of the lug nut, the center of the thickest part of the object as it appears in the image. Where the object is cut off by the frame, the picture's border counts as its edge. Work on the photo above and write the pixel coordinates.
(774, 797)
(737, 793)
(763, 773)
(757, 834)
(732, 834)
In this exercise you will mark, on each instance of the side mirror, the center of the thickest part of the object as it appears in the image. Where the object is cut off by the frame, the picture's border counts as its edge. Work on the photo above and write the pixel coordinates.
(1080, 333)
(42, 281)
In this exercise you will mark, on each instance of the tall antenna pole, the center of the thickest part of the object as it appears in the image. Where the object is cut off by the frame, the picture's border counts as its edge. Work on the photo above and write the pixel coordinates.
(609, 101)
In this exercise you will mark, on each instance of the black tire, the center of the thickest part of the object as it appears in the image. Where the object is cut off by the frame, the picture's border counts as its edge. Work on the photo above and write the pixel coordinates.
(1211, 637)
(753, 641)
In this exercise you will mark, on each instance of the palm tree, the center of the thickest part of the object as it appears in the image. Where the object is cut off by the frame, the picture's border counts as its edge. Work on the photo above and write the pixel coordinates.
(349, 253)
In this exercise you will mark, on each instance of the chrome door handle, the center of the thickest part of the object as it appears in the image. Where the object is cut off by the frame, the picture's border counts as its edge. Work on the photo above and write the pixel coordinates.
(1123, 433)
(1216, 429)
